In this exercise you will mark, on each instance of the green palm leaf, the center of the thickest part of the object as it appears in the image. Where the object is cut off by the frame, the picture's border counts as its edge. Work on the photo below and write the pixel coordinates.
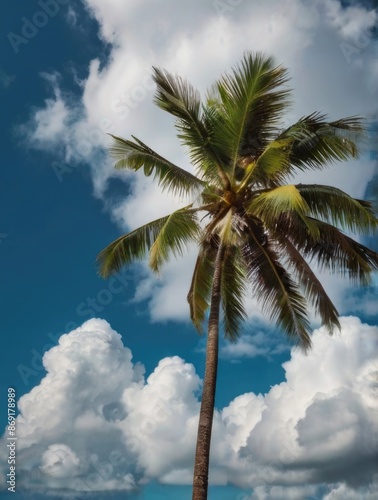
(176, 232)
(277, 292)
(130, 247)
(337, 252)
(270, 168)
(135, 155)
(316, 142)
(252, 106)
(336, 207)
(179, 98)
(233, 290)
(202, 279)
(271, 204)
(311, 285)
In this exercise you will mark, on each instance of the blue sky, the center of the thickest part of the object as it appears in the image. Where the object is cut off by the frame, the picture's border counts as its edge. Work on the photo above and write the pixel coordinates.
(71, 71)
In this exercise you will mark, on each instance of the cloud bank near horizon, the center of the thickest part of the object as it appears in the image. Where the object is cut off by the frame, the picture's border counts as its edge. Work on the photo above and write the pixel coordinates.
(97, 423)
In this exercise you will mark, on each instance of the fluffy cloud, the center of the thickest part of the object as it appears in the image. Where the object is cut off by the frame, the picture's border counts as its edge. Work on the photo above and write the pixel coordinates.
(96, 423)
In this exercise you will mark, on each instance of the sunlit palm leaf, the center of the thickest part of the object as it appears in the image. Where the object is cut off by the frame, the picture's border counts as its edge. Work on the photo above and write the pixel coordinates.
(135, 155)
(271, 204)
(336, 207)
(129, 247)
(271, 167)
(177, 231)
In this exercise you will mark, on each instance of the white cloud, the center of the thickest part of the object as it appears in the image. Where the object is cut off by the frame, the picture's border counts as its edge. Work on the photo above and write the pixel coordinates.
(59, 461)
(351, 21)
(362, 302)
(259, 344)
(72, 16)
(96, 424)
(342, 491)
(49, 123)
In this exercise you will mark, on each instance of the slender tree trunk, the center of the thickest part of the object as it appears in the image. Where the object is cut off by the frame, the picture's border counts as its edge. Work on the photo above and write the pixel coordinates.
(205, 424)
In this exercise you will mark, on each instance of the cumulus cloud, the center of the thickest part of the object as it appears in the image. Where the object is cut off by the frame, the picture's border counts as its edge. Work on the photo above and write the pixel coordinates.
(96, 423)
(316, 424)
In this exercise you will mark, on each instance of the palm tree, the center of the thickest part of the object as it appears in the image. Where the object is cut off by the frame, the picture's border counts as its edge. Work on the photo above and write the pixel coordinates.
(256, 229)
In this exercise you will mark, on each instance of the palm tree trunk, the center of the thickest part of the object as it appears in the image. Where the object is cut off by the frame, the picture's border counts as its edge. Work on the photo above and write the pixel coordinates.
(205, 424)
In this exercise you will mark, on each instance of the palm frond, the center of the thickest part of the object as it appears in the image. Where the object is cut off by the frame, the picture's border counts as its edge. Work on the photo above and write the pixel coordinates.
(271, 204)
(332, 205)
(135, 155)
(270, 168)
(176, 232)
(334, 250)
(252, 105)
(331, 249)
(233, 289)
(313, 289)
(316, 142)
(179, 98)
(200, 288)
(209, 165)
(341, 254)
(277, 292)
(129, 247)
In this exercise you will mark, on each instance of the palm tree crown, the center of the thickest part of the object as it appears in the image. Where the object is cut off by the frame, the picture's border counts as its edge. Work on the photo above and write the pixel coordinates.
(269, 229)
(254, 229)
